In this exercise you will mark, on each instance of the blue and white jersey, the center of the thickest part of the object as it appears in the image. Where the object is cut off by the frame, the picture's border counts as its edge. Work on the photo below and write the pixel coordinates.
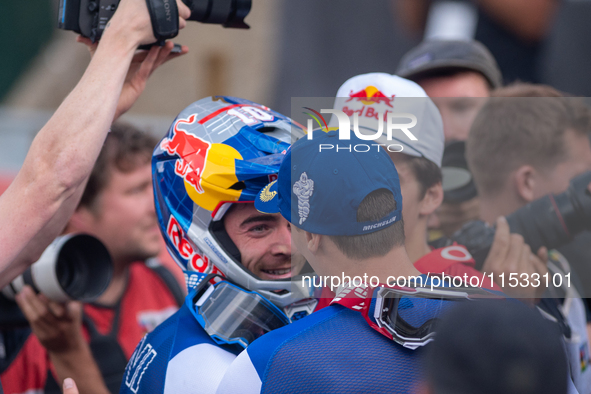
(334, 350)
(177, 357)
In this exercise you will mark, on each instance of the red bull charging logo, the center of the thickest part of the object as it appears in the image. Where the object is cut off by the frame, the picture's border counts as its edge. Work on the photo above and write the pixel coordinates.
(192, 153)
(371, 95)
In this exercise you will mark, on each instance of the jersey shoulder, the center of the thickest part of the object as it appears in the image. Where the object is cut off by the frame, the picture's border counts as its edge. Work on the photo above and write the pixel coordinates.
(333, 350)
(170, 358)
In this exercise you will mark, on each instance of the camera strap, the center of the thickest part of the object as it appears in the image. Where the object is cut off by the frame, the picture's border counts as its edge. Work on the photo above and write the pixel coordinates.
(164, 15)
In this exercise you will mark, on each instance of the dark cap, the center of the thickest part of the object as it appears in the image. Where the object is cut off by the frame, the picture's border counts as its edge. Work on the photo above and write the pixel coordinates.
(435, 56)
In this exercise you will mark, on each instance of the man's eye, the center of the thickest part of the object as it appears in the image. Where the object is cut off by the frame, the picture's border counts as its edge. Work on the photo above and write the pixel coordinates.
(259, 228)
(462, 106)
(138, 189)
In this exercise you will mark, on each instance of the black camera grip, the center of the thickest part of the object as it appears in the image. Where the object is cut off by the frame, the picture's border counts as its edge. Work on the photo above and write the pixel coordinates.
(164, 15)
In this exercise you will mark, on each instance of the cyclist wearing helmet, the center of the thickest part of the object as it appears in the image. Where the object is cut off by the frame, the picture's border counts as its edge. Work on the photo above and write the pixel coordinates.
(217, 156)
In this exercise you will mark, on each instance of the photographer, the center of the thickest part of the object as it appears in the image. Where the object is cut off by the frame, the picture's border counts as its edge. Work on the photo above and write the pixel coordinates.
(419, 169)
(117, 207)
(45, 192)
(522, 146)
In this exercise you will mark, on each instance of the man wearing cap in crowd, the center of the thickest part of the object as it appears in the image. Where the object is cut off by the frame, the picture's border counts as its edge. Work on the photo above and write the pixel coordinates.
(418, 164)
(455, 74)
(458, 69)
(345, 210)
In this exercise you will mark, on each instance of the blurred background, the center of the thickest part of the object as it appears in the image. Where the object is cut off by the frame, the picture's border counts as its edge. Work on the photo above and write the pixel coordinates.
(293, 49)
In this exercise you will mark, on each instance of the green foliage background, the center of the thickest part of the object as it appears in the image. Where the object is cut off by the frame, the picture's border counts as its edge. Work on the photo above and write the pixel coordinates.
(25, 27)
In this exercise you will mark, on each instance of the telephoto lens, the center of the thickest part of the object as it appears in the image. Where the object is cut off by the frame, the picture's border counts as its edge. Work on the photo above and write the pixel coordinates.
(73, 267)
(550, 221)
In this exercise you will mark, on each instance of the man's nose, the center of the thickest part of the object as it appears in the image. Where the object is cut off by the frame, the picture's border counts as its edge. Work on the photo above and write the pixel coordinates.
(282, 239)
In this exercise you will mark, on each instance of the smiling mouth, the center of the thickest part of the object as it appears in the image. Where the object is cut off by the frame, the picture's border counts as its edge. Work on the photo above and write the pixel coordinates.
(284, 273)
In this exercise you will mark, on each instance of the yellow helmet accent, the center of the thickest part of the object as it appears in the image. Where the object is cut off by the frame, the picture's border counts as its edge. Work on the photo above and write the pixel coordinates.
(219, 174)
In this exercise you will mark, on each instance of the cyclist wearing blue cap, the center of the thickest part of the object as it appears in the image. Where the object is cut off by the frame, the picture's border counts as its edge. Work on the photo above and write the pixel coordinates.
(345, 208)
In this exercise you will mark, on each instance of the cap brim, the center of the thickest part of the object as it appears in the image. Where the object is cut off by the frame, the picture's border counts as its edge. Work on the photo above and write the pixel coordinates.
(267, 201)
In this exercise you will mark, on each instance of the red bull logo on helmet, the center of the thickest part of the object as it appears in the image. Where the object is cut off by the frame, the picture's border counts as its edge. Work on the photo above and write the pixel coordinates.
(196, 261)
(192, 152)
(371, 95)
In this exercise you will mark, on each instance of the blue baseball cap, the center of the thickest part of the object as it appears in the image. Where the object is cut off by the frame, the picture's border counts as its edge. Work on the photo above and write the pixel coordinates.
(322, 181)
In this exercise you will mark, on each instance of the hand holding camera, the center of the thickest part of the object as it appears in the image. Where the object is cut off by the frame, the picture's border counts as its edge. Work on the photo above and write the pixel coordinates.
(143, 64)
(509, 254)
(57, 326)
(91, 17)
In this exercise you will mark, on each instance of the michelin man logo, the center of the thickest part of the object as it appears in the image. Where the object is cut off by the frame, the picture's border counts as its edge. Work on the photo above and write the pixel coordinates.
(303, 190)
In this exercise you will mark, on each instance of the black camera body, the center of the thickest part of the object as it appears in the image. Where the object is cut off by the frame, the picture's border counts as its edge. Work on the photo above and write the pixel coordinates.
(90, 17)
(87, 17)
(551, 221)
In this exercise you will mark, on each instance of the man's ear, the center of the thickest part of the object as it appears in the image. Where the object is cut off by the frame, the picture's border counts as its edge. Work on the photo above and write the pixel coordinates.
(524, 182)
(81, 221)
(432, 200)
(313, 241)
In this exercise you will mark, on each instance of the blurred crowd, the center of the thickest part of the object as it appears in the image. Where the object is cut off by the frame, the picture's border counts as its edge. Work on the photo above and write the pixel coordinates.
(495, 186)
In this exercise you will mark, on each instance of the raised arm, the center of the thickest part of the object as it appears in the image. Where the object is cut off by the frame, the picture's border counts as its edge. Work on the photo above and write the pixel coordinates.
(45, 192)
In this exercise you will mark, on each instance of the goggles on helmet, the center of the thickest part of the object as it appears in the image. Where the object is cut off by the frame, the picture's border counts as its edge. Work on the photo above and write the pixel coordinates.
(232, 315)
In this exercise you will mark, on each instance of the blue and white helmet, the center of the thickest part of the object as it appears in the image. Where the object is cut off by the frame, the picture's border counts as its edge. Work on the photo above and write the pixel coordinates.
(219, 151)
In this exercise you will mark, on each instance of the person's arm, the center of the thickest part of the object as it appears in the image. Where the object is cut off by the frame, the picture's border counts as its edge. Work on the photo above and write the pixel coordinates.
(45, 192)
(411, 14)
(530, 20)
(59, 329)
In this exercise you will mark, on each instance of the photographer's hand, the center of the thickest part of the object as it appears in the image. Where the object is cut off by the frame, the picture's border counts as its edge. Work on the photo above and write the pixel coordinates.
(143, 64)
(509, 254)
(129, 22)
(59, 329)
(69, 386)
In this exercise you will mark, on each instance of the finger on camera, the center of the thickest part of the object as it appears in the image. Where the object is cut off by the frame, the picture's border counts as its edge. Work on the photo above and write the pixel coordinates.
(31, 306)
(498, 250)
(74, 309)
(57, 309)
(88, 42)
(516, 252)
(502, 239)
(166, 54)
(543, 254)
(524, 264)
(184, 11)
(540, 261)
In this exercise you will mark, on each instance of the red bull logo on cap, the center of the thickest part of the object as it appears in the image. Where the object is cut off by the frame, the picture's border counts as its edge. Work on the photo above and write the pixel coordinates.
(191, 150)
(371, 95)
